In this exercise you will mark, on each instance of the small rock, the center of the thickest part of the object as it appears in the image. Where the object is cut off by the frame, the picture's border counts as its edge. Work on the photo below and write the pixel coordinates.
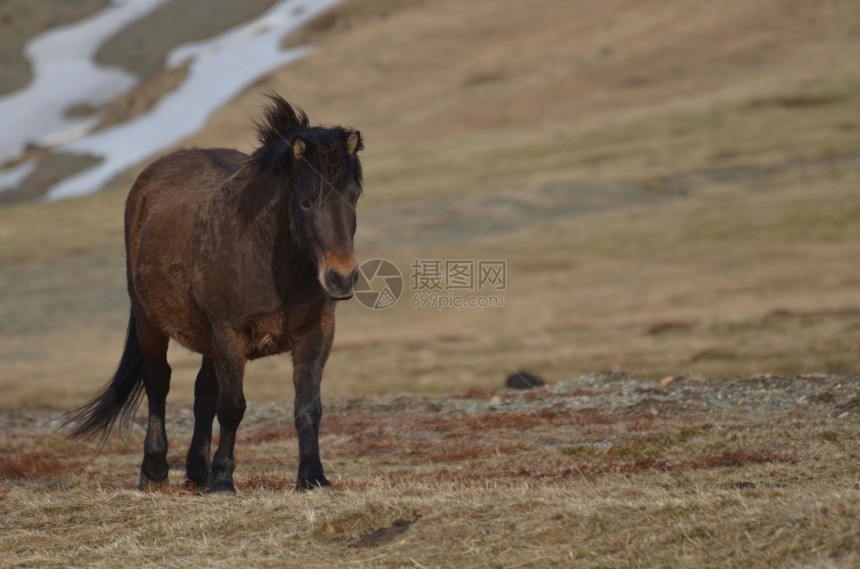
(523, 380)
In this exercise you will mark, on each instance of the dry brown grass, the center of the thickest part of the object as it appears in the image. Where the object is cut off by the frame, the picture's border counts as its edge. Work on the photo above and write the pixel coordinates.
(655, 477)
(509, 526)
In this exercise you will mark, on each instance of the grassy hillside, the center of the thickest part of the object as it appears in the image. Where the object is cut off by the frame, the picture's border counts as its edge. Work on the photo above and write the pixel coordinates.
(21, 21)
(672, 185)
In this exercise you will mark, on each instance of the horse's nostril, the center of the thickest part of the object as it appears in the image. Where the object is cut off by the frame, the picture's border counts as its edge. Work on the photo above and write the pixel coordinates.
(339, 285)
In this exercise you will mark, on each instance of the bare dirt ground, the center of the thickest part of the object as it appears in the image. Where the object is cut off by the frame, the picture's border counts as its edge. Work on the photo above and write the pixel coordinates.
(608, 470)
(673, 186)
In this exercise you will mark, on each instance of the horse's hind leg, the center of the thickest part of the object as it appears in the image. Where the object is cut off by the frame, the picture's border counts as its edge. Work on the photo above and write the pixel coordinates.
(197, 466)
(156, 381)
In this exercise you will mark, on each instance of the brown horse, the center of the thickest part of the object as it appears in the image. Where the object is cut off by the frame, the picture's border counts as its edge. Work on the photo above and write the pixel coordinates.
(235, 257)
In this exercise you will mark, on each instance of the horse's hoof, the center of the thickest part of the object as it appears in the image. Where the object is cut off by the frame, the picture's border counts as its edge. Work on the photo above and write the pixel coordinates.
(196, 481)
(198, 470)
(319, 484)
(146, 483)
(194, 486)
(222, 487)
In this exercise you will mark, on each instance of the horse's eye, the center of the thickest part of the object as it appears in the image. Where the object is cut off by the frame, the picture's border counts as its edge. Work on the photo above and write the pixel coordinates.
(306, 204)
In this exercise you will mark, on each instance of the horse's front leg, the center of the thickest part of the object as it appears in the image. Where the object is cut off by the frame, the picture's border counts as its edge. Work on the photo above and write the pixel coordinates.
(229, 362)
(309, 357)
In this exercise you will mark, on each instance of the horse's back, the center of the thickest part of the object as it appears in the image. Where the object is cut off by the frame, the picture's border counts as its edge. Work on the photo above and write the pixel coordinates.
(162, 210)
(186, 175)
(169, 192)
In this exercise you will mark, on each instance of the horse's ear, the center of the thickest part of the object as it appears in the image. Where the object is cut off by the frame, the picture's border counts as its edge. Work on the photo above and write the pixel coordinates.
(354, 142)
(298, 148)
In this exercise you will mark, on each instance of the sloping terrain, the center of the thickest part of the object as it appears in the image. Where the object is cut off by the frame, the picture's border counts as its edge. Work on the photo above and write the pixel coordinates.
(23, 20)
(673, 189)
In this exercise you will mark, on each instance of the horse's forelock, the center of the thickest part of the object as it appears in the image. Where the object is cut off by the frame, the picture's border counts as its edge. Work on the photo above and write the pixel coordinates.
(326, 160)
(280, 121)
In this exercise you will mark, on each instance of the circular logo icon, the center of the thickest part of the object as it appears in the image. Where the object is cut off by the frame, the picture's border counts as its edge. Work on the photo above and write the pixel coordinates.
(379, 284)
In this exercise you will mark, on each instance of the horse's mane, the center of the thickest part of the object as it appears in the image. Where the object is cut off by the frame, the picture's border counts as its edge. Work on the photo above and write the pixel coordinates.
(272, 162)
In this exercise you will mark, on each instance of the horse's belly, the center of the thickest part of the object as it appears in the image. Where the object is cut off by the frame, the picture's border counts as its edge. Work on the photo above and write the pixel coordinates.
(165, 294)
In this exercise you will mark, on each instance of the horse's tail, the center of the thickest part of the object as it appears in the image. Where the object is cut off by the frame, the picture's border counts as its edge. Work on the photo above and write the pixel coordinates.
(119, 398)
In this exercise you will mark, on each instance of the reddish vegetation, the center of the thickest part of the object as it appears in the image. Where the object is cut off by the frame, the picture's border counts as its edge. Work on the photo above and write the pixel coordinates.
(265, 482)
(670, 326)
(269, 433)
(34, 465)
(520, 439)
(649, 464)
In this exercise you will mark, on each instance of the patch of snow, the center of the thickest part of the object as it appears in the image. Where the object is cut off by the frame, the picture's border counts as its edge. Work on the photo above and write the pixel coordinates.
(64, 74)
(218, 71)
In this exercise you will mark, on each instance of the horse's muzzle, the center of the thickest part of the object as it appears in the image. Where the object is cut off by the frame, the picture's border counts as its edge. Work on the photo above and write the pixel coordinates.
(338, 285)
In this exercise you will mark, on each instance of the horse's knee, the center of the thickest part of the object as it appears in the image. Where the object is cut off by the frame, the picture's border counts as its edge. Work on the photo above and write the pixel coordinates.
(231, 409)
